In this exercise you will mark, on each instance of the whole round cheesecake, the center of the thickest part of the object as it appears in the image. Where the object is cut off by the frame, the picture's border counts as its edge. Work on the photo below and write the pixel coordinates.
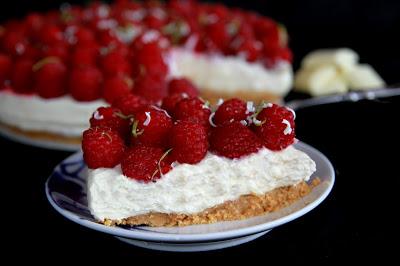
(57, 67)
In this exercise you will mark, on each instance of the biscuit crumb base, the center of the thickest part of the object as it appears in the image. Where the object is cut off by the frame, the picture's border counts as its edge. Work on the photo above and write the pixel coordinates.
(245, 207)
(41, 135)
(213, 96)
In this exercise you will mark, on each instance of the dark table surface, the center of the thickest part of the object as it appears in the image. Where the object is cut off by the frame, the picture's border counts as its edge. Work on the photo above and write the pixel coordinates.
(356, 221)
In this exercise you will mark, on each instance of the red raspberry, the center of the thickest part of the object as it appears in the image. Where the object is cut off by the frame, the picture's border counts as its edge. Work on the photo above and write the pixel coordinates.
(114, 63)
(61, 51)
(34, 22)
(274, 52)
(102, 147)
(51, 34)
(85, 83)
(189, 142)
(31, 52)
(149, 61)
(219, 36)
(116, 87)
(183, 7)
(130, 104)
(182, 85)
(151, 127)
(14, 43)
(85, 55)
(234, 140)
(22, 75)
(250, 49)
(233, 110)
(145, 163)
(107, 38)
(5, 68)
(169, 102)
(154, 22)
(275, 127)
(112, 118)
(193, 109)
(150, 87)
(50, 76)
(266, 27)
(84, 36)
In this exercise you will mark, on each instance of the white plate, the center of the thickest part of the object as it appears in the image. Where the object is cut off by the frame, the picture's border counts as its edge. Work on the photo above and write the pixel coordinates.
(66, 191)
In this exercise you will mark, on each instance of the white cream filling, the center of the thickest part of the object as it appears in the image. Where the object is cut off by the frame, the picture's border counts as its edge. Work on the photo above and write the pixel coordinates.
(191, 189)
(229, 73)
(64, 115)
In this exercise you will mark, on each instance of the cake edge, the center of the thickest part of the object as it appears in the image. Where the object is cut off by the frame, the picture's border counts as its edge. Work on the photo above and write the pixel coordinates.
(246, 206)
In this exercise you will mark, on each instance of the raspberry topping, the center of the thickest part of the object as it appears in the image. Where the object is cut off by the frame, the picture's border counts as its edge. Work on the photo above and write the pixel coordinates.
(50, 76)
(277, 128)
(117, 87)
(87, 77)
(144, 163)
(234, 140)
(130, 104)
(188, 141)
(112, 118)
(102, 147)
(179, 86)
(233, 110)
(194, 110)
(151, 127)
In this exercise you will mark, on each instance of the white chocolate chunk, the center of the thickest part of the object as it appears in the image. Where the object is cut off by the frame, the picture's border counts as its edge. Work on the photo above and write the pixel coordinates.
(364, 77)
(344, 59)
(321, 80)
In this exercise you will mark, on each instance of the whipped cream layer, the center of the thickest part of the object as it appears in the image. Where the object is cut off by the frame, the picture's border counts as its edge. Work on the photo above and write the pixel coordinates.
(190, 189)
(64, 115)
(229, 74)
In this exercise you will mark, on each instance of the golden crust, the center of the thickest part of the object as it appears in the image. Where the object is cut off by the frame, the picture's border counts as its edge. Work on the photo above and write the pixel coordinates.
(246, 95)
(245, 207)
(41, 135)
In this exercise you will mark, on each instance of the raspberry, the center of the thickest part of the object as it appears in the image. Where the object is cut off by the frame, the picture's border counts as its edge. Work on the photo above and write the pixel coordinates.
(189, 142)
(34, 23)
(5, 68)
(219, 35)
(14, 43)
(183, 7)
(102, 147)
(144, 163)
(22, 75)
(182, 86)
(249, 49)
(150, 87)
(114, 63)
(85, 55)
(154, 22)
(84, 35)
(151, 127)
(169, 102)
(110, 117)
(276, 127)
(149, 61)
(233, 110)
(50, 76)
(234, 140)
(116, 87)
(130, 104)
(51, 34)
(85, 83)
(60, 51)
(265, 27)
(193, 109)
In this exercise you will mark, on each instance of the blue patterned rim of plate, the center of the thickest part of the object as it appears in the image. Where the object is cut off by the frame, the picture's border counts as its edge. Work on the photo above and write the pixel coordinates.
(66, 192)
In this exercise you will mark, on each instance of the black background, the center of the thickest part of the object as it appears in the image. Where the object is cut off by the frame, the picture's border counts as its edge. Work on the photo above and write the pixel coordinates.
(357, 221)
